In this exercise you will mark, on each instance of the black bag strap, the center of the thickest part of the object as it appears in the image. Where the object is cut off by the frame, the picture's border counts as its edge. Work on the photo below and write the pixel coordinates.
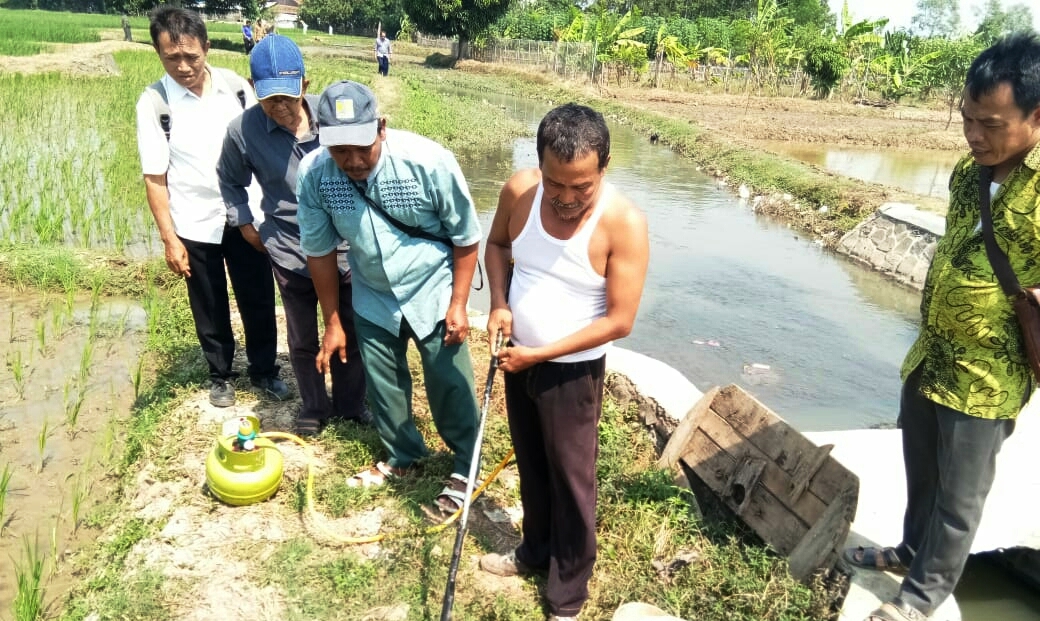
(1001, 265)
(410, 230)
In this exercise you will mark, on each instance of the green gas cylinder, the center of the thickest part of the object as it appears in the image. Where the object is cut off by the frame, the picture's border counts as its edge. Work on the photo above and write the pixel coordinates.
(243, 467)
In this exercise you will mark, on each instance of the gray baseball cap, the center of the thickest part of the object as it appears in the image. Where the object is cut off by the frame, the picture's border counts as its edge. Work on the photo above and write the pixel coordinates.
(347, 115)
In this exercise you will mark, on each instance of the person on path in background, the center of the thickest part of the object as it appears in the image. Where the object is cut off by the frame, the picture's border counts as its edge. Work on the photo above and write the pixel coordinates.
(183, 193)
(383, 54)
(303, 24)
(967, 376)
(247, 37)
(402, 204)
(125, 21)
(579, 252)
(268, 142)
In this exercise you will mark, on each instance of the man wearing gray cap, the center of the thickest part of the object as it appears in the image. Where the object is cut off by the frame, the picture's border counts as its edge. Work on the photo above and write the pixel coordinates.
(268, 141)
(402, 203)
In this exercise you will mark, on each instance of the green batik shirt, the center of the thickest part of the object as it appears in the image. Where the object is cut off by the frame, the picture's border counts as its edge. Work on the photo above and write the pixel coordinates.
(970, 346)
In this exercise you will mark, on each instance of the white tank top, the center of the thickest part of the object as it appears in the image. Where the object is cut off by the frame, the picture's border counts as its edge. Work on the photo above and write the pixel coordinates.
(555, 292)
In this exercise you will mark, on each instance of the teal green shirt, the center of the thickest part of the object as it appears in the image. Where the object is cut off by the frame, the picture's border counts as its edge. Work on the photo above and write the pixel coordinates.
(395, 276)
(970, 348)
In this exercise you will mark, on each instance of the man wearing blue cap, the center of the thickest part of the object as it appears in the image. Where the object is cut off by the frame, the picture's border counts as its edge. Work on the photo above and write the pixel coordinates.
(401, 202)
(181, 122)
(268, 141)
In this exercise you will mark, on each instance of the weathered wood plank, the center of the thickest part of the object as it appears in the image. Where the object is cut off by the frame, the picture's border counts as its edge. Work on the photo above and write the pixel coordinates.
(818, 548)
(806, 470)
(677, 442)
(784, 446)
(808, 507)
(765, 514)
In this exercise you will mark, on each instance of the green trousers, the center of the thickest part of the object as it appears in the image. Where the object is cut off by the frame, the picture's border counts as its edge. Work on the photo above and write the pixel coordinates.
(448, 372)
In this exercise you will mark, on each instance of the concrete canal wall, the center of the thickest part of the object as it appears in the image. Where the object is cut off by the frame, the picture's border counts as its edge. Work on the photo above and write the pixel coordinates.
(898, 240)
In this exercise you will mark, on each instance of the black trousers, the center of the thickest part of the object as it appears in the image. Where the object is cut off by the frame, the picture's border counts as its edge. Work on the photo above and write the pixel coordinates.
(300, 301)
(253, 285)
(950, 459)
(554, 411)
(384, 65)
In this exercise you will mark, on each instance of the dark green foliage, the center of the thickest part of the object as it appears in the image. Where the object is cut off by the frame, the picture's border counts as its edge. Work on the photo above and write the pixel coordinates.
(355, 17)
(826, 64)
(465, 19)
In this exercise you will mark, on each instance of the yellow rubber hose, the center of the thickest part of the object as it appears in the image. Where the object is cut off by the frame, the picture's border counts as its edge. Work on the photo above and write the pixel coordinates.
(336, 537)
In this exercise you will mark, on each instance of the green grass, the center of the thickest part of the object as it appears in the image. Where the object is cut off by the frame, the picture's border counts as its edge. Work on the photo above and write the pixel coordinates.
(24, 33)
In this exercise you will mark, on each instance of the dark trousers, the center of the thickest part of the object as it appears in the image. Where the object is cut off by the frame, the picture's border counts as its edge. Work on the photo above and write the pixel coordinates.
(300, 301)
(384, 65)
(251, 280)
(554, 411)
(950, 460)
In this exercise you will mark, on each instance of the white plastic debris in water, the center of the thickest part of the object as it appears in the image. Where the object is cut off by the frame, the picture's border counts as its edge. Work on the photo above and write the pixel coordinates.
(709, 342)
(744, 191)
(757, 373)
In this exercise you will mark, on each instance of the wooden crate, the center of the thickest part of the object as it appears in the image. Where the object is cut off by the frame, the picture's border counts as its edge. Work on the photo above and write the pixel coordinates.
(797, 497)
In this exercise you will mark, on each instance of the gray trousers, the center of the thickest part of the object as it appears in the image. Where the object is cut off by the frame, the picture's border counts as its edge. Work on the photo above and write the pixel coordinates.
(950, 460)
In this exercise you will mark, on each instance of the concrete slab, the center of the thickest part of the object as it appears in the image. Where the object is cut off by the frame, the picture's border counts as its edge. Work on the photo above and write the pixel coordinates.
(655, 379)
(905, 212)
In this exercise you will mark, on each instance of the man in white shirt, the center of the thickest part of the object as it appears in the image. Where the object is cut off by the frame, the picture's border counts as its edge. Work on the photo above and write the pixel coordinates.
(180, 132)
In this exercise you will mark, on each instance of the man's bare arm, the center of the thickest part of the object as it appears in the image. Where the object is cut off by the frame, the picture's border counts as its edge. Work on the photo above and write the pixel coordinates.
(158, 196)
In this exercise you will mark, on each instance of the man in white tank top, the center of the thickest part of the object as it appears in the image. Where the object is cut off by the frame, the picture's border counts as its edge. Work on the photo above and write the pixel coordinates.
(579, 252)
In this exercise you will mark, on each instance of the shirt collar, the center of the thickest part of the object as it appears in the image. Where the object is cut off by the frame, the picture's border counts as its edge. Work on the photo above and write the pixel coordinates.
(1032, 160)
(217, 84)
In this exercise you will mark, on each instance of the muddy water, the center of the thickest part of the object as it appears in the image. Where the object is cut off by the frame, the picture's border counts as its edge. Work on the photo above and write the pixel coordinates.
(67, 371)
(922, 172)
(735, 298)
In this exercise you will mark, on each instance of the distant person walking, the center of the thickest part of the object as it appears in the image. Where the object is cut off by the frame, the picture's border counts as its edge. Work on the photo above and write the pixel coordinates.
(126, 28)
(247, 37)
(383, 53)
(179, 156)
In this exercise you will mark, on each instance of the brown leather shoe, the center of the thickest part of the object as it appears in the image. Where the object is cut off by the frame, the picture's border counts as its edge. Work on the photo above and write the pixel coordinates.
(503, 565)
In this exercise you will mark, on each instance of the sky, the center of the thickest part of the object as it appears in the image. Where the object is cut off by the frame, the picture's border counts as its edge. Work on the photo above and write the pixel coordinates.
(900, 12)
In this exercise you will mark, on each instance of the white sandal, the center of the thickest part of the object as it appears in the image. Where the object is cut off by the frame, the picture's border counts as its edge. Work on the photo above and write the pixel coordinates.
(377, 475)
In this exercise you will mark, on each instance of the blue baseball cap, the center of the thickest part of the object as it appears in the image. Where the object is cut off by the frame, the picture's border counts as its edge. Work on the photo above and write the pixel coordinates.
(276, 66)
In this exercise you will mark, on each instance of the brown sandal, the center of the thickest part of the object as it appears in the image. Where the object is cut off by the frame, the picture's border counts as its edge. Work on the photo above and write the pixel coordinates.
(896, 610)
(876, 559)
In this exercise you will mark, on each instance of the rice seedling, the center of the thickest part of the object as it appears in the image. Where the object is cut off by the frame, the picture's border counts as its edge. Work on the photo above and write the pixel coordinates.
(28, 576)
(5, 483)
(86, 358)
(54, 542)
(79, 495)
(41, 445)
(73, 404)
(17, 367)
(138, 374)
(41, 335)
(10, 333)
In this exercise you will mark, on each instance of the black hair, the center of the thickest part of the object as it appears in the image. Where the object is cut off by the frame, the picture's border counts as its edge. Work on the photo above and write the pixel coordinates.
(176, 22)
(571, 131)
(1015, 59)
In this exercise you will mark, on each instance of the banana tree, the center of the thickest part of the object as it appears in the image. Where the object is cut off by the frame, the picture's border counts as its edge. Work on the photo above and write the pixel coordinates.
(668, 47)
